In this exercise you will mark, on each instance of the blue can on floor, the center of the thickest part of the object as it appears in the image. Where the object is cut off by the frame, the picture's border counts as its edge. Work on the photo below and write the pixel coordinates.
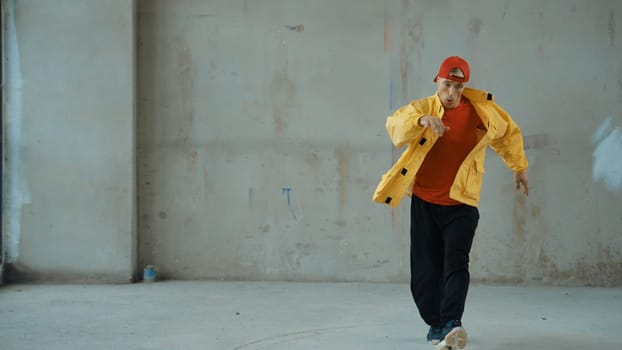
(150, 273)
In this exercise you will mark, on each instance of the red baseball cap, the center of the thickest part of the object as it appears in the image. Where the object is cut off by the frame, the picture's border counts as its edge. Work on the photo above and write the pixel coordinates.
(450, 63)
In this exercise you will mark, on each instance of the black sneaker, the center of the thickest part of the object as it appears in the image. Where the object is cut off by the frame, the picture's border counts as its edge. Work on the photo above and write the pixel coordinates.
(453, 335)
(434, 335)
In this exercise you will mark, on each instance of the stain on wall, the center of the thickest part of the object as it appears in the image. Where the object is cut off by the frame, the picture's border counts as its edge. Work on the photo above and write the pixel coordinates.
(603, 267)
(412, 44)
(612, 28)
(536, 141)
(475, 25)
(518, 246)
(343, 154)
(282, 88)
(387, 31)
(185, 76)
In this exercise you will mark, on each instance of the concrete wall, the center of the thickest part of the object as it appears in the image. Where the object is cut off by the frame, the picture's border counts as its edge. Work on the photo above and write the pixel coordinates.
(261, 135)
(69, 199)
(260, 140)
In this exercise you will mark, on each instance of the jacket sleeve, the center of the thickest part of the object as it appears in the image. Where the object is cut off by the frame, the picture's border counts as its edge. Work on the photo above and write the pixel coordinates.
(402, 126)
(509, 146)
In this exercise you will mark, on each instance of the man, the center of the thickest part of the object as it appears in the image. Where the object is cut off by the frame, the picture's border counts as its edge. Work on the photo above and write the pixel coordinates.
(442, 169)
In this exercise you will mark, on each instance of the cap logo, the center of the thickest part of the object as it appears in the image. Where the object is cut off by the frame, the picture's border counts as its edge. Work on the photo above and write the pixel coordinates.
(454, 68)
(456, 72)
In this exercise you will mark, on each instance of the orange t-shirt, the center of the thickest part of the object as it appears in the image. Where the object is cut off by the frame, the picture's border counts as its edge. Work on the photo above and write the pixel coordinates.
(439, 168)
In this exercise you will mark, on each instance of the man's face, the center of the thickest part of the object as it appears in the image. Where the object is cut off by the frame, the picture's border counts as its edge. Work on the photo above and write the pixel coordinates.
(450, 92)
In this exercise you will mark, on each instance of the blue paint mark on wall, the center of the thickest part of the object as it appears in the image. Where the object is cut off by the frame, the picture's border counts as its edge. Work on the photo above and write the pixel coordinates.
(287, 192)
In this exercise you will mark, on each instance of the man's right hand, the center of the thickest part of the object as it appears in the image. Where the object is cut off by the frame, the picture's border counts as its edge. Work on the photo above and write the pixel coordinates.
(434, 123)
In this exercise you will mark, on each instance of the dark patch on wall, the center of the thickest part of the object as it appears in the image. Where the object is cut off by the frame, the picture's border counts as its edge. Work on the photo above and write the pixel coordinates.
(314, 162)
(344, 156)
(415, 32)
(380, 263)
(519, 218)
(602, 274)
(543, 259)
(536, 212)
(19, 273)
(297, 28)
(387, 36)
(404, 65)
(185, 76)
(497, 279)
(536, 141)
(251, 198)
(282, 89)
(412, 41)
(505, 8)
(475, 25)
(192, 155)
(405, 5)
(280, 123)
(186, 72)
(603, 268)
(612, 27)
(540, 51)
(518, 244)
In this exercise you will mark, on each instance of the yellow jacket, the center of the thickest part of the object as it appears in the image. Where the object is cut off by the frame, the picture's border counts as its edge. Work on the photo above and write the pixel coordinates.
(502, 134)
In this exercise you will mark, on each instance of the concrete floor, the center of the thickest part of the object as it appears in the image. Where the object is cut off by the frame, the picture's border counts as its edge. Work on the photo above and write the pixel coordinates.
(245, 316)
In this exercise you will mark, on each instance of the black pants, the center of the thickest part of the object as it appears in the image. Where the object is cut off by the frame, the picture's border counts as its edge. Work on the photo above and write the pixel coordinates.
(440, 242)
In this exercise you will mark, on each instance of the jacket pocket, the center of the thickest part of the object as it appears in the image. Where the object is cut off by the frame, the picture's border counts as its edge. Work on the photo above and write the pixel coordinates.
(391, 188)
(474, 180)
(394, 184)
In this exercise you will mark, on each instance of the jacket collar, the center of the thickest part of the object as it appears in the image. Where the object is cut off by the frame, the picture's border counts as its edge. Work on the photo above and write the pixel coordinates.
(475, 95)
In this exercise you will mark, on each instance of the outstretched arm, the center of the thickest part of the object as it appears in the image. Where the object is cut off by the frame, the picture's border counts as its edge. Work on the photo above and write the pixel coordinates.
(510, 148)
(521, 178)
(403, 126)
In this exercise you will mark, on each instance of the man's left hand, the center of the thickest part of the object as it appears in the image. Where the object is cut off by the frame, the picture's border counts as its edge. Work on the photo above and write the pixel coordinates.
(521, 178)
